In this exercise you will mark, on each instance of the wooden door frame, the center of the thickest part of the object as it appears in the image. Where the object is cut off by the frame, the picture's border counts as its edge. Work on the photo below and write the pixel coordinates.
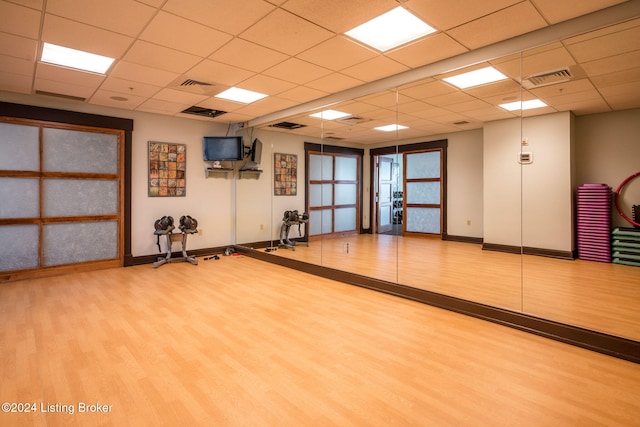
(62, 118)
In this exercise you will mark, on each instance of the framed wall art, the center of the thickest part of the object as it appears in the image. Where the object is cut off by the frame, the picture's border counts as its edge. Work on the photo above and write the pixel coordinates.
(286, 174)
(167, 169)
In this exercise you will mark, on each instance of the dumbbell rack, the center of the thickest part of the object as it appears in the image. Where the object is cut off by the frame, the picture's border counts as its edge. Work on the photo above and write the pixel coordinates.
(172, 238)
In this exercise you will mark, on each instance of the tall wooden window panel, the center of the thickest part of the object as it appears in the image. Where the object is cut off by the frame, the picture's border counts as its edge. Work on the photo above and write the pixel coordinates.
(423, 192)
(333, 194)
(61, 196)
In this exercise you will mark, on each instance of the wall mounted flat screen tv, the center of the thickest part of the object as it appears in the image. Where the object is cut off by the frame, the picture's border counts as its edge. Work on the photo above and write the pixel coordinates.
(223, 148)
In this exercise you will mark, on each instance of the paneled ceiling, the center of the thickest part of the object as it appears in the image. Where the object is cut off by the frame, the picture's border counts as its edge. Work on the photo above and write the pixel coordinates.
(295, 51)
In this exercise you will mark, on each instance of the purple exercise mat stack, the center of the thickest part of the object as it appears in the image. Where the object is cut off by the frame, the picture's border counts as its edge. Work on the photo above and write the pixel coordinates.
(594, 222)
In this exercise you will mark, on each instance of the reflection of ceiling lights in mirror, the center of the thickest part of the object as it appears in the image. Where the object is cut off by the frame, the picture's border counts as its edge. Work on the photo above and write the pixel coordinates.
(475, 78)
(240, 95)
(330, 114)
(390, 128)
(523, 105)
(391, 29)
(66, 57)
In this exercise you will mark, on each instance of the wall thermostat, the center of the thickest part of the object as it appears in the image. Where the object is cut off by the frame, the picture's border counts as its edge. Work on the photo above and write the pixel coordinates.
(525, 157)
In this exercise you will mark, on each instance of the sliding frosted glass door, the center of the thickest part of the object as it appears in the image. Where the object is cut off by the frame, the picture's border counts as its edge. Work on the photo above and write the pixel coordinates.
(423, 192)
(333, 194)
(61, 192)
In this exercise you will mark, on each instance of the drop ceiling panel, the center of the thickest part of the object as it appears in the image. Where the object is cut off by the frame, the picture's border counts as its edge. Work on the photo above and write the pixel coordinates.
(297, 71)
(183, 35)
(375, 69)
(232, 17)
(426, 50)
(501, 25)
(556, 11)
(75, 35)
(605, 46)
(247, 55)
(15, 82)
(627, 61)
(128, 87)
(337, 53)
(179, 96)
(22, 21)
(126, 17)
(63, 88)
(302, 94)
(622, 96)
(68, 75)
(163, 58)
(334, 82)
(265, 84)
(18, 47)
(141, 73)
(339, 16)
(452, 13)
(9, 64)
(106, 98)
(216, 72)
(160, 106)
(286, 33)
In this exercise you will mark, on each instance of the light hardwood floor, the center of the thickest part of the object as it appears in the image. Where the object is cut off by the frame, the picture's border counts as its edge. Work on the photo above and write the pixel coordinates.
(240, 342)
(604, 297)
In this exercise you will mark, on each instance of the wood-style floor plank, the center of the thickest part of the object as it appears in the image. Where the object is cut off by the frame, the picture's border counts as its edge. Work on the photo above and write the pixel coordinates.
(240, 342)
(594, 295)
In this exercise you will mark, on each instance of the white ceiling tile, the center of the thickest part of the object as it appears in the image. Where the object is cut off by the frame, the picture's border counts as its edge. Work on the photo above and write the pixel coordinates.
(179, 97)
(141, 73)
(76, 35)
(247, 55)
(232, 17)
(337, 53)
(63, 88)
(126, 17)
(375, 69)
(15, 82)
(218, 73)
(285, 32)
(68, 75)
(297, 71)
(501, 25)
(265, 84)
(19, 20)
(115, 99)
(164, 58)
(334, 82)
(13, 65)
(445, 15)
(159, 106)
(18, 47)
(184, 35)
(623, 62)
(427, 50)
(556, 11)
(623, 96)
(302, 94)
(128, 87)
(606, 45)
(339, 16)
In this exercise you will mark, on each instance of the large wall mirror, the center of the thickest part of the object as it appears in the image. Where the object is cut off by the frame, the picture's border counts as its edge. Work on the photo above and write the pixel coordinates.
(471, 200)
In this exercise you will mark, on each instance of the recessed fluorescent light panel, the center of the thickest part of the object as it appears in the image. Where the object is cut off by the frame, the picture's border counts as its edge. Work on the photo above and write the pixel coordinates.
(523, 105)
(240, 95)
(390, 128)
(330, 114)
(476, 78)
(66, 57)
(392, 29)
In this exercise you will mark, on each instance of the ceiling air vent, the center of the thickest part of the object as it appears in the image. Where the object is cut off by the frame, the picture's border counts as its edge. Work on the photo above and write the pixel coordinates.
(204, 112)
(288, 125)
(548, 78)
(191, 82)
(352, 120)
(61, 95)
(461, 122)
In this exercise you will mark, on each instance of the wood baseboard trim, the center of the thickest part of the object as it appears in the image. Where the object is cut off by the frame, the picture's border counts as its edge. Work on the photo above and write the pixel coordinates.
(526, 250)
(610, 345)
